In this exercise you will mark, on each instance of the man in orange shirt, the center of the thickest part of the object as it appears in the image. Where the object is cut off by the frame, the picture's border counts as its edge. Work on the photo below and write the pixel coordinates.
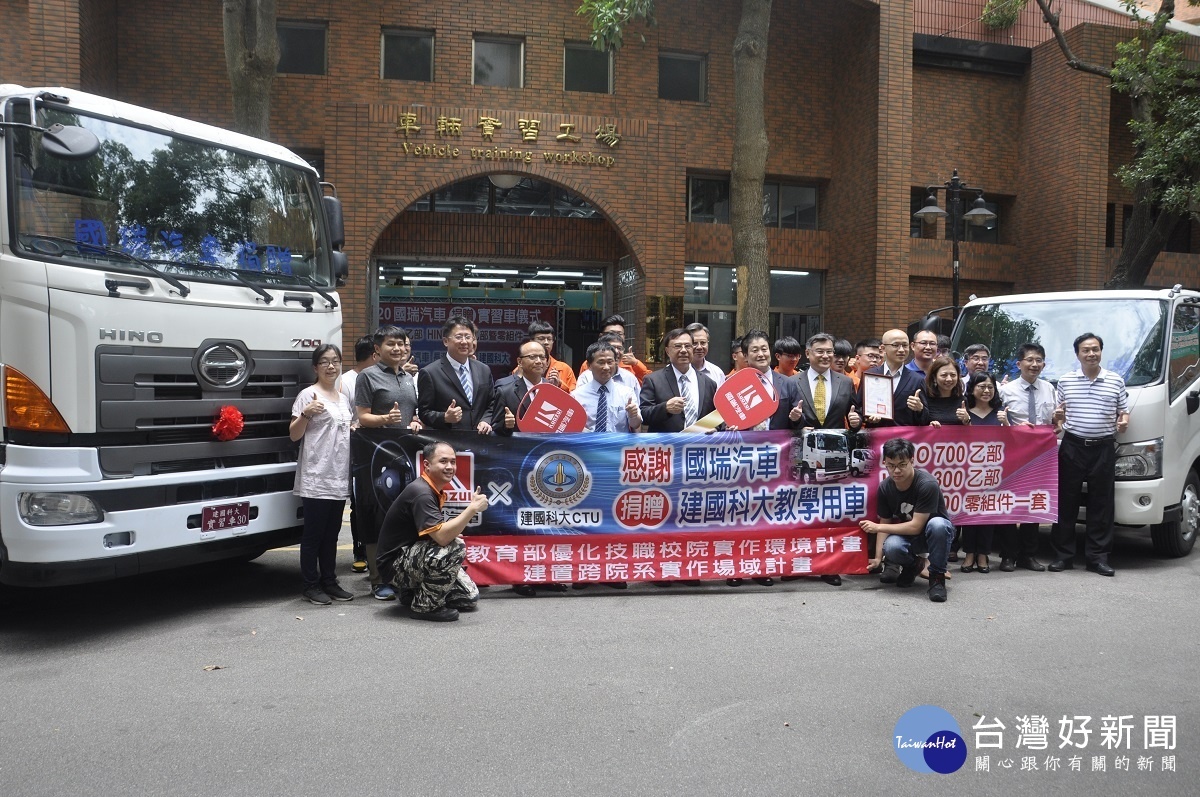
(787, 352)
(867, 356)
(615, 325)
(557, 371)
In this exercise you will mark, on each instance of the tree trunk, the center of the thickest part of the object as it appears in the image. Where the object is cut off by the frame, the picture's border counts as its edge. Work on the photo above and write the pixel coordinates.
(251, 57)
(749, 167)
(1149, 227)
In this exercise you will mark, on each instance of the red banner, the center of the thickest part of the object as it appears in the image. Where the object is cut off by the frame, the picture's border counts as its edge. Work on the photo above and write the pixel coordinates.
(665, 557)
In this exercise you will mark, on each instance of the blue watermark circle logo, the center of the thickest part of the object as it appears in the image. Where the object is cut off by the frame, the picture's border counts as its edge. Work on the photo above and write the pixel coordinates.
(928, 739)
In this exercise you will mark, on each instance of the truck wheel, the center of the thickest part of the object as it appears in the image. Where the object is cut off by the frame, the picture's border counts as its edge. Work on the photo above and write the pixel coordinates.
(1176, 538)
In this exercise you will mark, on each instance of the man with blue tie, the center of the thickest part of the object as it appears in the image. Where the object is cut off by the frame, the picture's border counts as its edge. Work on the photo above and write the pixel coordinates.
(611, 406)
(455, 391)
(676, 396)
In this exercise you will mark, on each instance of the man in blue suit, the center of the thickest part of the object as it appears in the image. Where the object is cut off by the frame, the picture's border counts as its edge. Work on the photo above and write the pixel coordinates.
(908, 386)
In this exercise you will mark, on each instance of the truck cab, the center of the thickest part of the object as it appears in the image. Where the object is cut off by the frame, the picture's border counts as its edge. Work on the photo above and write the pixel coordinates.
(1152, 339)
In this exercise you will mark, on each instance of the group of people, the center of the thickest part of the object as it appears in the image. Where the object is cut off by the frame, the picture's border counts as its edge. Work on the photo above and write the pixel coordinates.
(414, 554)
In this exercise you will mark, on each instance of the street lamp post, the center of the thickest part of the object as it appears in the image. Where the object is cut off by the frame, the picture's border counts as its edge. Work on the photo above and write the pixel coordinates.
(978, 215)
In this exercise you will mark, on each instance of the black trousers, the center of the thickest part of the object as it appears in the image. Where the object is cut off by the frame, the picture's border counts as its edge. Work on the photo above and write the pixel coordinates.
(1019, 540)
(1096, 465)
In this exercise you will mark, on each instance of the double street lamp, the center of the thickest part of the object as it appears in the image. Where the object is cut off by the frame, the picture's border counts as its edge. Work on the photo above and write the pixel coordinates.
(977, 216)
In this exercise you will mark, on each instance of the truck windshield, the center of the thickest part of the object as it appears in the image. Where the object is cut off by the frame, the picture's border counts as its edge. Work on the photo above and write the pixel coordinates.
(194, 209)
(1133, 331)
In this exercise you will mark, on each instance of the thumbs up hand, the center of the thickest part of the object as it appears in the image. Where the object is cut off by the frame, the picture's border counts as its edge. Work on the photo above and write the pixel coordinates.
(914, 402)
(394, 415)
(964, 417)
(797, 411)
(1060, 413)
(454, 412)
(510, 420)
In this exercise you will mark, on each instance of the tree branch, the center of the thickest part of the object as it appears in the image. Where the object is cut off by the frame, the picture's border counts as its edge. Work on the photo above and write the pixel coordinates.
(1072, 61)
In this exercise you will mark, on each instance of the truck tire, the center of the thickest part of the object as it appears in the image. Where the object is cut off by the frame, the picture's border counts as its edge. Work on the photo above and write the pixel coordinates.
(1176, 538)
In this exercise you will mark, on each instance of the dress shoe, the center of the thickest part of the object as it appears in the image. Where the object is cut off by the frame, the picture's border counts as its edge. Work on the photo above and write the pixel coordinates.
(765, 581)
(986, 567)
(966, 568)
(1009, 565)
(524, 590)
(552, 587)
(1060, 564)
(833, 580)
(442, 614)
(1029, 563)
(1103, 568)
(733, 582)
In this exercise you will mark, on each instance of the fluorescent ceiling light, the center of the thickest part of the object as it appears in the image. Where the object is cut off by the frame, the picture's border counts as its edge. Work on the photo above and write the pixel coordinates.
(419, 278)
(493, 270)
(484, 279)
(698, 288)
(689, 278)
(776, 271)
(434, 269)
(592, 284)
(561, 274)
(544, 282)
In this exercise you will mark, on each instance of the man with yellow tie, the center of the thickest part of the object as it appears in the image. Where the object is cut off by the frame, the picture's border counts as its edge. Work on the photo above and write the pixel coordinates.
(828, 399)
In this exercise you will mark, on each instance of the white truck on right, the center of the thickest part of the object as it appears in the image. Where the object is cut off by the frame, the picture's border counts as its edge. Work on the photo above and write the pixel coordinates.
(1152, 339)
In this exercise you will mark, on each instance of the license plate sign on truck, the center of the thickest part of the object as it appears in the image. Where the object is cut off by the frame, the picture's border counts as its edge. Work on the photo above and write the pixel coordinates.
(223, 517)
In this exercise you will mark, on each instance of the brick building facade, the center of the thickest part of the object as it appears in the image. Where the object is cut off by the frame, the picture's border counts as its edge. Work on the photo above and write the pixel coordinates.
(867, 103)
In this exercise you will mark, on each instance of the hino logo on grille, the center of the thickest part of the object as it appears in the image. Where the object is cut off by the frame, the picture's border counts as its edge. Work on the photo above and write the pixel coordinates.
(223, 365)
(131, 335)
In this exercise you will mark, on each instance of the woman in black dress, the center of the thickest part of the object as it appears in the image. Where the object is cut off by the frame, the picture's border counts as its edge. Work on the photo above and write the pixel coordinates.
(983, 408)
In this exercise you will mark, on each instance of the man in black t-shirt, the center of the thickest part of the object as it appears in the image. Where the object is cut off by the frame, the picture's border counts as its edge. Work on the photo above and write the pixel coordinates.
(420, 553)
(912, 522)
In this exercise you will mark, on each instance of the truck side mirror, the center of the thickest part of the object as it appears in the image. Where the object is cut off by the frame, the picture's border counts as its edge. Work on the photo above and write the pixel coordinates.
(1193, 401)
(333, 217)
(341, 267)
(70, 143)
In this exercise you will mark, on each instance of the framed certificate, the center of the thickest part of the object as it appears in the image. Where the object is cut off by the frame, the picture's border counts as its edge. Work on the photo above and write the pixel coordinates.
(877, 395)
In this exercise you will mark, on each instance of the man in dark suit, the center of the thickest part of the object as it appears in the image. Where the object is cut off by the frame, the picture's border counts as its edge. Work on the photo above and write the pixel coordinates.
(908, 386)
(828, 399)
(678, 395)
(455, 391)
(508, 399)
(757, 349)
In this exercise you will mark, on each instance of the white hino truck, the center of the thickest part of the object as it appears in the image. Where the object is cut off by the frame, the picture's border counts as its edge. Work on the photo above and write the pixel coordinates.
(1152, 339)
(156, 274)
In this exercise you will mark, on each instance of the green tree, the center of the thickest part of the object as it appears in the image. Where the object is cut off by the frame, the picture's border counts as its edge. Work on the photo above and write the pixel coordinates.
(251, 56)
(610, 19)
(1164, 175)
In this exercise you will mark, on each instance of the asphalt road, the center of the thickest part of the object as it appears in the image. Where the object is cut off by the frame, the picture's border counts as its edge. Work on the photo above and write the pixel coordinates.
(793, 689)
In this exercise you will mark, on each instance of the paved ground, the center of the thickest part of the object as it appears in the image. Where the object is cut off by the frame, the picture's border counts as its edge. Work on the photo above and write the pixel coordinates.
(794, 689)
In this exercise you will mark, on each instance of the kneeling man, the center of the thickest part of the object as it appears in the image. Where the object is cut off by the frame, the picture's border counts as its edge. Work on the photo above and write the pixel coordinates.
(420, 553)
(912, 522)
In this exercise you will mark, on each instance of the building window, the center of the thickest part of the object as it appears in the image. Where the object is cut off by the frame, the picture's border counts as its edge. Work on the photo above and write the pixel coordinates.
(790, 205)
(301, 48)
(587, 69)
(708, 200)
(407, 55)
(499, 62)
(528, 197)
(681, 77)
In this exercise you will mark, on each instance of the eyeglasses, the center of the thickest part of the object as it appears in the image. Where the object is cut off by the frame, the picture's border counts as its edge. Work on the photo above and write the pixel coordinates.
(979, 358)
(924, 344)
(465, 337)
(681, 347)
(328, 363)
(986, 388)
(1034, 361)
(818, 352)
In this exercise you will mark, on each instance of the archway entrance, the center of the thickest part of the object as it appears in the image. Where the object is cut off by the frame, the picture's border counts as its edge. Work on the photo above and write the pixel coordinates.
(506, 249)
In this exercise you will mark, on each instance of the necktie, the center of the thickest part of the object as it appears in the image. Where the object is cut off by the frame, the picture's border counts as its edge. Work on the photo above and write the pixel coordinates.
(601, 424)
(464, 376)
(689, 402)
(767, 386)
(819, 398)
(1032, 404)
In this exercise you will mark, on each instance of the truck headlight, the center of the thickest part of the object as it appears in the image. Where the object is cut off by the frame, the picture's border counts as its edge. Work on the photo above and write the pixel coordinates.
(1140, 460)
(58, 509)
